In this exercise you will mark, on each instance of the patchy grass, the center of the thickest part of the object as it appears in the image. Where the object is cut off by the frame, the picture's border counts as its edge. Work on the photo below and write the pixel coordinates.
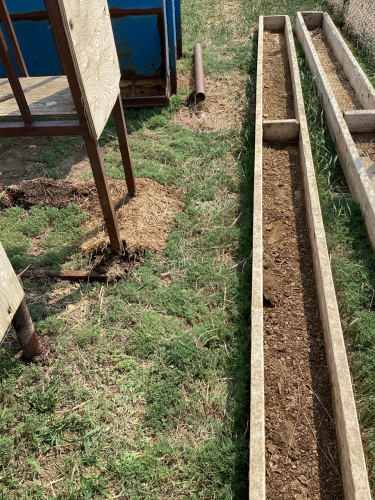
(145, 393)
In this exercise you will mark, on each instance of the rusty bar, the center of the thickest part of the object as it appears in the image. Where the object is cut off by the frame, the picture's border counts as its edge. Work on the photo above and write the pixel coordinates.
(43, 129)
(97, 167)
(118, 114)
(71, 275)
(54, 39)
(199, 95)
(5, 18)
(11, 73)
(92, 146)
(25, 330)
(133, 86)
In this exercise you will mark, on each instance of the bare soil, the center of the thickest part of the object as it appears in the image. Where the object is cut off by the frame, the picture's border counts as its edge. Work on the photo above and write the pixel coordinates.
(144, 221)
(365, 144)
(302, 456)
(343, 91)
(277, 83)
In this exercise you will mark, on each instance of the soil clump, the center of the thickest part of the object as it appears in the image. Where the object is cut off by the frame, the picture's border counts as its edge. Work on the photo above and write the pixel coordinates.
(344, 93)
(302, 458)
(277, 83)
(144, 221)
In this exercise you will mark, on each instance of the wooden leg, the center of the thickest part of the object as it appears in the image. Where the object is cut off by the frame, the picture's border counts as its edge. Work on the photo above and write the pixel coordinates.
(118, 114)
(96, 161)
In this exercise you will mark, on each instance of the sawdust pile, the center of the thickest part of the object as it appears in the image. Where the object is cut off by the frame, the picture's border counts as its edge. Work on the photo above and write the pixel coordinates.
(144, 221)
(224, 105)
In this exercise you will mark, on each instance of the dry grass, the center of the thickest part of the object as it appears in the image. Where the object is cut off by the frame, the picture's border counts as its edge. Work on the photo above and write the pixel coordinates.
(223, 107)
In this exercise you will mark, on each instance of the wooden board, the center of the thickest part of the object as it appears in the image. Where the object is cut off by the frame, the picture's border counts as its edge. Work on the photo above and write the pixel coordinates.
(274, 22)
(353, 71)
(280, 130)
(89, 31)
(257, 463)
(45, 95)
(360, 121)
(313, 19)
(353, 465)
(11, 292)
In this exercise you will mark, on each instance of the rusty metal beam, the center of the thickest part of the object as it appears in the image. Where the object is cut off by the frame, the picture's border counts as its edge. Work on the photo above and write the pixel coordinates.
(118, 114)
(25, 330)
(5, 18)
(43, 129)
(11, 73)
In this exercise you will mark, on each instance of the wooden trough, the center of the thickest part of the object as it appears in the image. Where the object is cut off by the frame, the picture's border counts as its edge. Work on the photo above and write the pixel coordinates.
(346, 126)
(353, 468)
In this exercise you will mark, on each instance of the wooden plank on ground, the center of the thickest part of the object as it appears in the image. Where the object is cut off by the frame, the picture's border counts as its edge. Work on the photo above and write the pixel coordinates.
(89, 31)
(46, 96)
(280, 130)
(11, 292)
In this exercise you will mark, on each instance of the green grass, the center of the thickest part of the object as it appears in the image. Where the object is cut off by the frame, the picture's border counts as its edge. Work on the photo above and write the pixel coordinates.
(146, 390)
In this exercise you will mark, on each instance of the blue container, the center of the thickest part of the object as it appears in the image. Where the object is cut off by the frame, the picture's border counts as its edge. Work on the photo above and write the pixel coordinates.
(148, 40)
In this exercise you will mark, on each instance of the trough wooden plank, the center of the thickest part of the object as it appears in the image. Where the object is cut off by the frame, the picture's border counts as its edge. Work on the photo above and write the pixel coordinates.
(280, 130)
(89, 31)
(313, 19)
(353, 71)
(11, 292)
(275, 23)
(353, 466)
(360, 121)
(257, 463)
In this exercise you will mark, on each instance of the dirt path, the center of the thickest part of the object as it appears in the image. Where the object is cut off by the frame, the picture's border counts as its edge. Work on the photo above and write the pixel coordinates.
(277, 84)
(344, 92)
(302, 453)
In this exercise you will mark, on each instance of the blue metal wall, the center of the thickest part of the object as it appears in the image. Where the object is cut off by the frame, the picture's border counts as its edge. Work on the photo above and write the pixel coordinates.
(145, 48)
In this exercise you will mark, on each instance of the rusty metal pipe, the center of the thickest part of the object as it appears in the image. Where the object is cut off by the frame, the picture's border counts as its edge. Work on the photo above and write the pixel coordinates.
(199, 95)
(26, 334)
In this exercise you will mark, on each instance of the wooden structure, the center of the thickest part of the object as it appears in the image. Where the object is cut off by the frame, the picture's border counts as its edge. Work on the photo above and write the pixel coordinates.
(343, 123)
(89, 91)
(353, 466)
(11, 293)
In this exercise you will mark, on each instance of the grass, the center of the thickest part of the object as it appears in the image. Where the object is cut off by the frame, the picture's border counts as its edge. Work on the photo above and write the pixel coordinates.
(146, 391)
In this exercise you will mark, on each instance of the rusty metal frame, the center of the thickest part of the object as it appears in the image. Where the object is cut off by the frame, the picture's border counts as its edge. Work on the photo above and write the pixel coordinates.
(5, 19)
(29, 128)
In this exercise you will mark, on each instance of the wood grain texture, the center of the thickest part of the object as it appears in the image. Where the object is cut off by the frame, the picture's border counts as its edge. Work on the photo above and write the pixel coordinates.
(257, 462)
(280, 130)
(46, 96)
(313, 19)
(89, 31)
(11, 292)
(360, 121)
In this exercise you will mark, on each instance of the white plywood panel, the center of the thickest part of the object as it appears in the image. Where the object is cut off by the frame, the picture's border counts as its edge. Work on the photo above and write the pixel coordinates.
(11, 292)
(89, 31)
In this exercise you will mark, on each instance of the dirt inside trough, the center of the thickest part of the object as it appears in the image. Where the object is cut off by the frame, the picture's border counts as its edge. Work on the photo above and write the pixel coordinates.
(343, 91)
(365, 144)
(144, 221)
(277, 83)
(302, 459)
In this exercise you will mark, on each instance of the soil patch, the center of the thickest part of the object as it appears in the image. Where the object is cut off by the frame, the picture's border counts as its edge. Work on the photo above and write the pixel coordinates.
(343, 91)
(277, 83)
(365, 144)
(302, 459)
(223, 107)
(144, 221)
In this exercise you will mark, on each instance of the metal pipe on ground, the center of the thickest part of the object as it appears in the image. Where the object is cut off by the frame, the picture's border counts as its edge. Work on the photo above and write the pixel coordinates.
(26, 334)
(199, 94)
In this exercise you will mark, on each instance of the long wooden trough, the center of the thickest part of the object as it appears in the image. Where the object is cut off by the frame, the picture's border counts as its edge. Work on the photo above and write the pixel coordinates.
(348, 99)
(298, 426)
